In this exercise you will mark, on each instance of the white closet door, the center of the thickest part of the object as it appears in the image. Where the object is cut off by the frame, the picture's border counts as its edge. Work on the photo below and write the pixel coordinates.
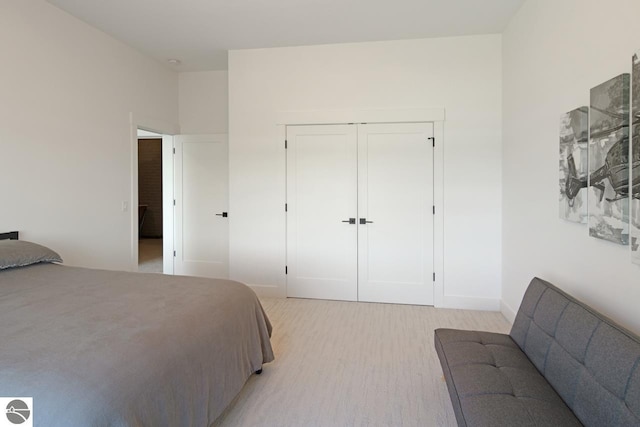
(395, 249)
(201, 194)
(321, 196)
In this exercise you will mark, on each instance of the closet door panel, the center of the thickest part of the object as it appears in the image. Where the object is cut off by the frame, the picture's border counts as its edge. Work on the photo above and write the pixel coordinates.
(321, 196)
(395, 169)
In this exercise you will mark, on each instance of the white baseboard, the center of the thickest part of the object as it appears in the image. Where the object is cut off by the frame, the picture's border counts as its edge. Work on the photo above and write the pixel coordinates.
(507, 311)
(449, 301)
(471, 303)
(268, 291)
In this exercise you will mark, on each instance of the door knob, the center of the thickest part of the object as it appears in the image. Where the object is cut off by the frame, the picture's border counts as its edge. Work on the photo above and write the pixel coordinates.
(223, 214)
(364, 221)
(351, 221)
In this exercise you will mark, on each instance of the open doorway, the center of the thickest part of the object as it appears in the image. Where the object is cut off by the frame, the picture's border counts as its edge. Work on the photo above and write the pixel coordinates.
(150, 206)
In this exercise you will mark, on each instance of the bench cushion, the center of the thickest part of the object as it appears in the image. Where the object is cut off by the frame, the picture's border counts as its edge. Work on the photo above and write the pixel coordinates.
(492, 382)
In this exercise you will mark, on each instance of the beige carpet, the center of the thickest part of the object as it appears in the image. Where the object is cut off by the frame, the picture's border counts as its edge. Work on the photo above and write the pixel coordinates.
(150, 255)
(353, 364)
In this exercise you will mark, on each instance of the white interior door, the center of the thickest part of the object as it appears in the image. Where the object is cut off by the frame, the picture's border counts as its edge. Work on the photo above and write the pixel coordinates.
(321, 200)
(395, 198)
(201, 205)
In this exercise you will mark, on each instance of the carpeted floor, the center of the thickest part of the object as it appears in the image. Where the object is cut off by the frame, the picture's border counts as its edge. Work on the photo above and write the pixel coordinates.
(353, 364)
(150, 255)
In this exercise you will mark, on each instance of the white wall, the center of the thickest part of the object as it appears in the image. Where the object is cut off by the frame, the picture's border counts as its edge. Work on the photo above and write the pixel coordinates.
(463, 75)
(60, 81)
(204, 102)
(554, 52)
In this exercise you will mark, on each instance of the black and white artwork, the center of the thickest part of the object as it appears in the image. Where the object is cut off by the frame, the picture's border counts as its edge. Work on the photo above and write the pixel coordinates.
(574, 167)
(608, 194)
(635, 161)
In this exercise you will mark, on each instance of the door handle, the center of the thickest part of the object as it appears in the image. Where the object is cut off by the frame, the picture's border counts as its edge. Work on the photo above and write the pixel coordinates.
(351, 221)
(364, 221)
(223, 214)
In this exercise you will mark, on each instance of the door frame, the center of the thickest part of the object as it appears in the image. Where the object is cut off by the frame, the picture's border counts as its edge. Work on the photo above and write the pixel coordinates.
(167, 130)
(435, 115)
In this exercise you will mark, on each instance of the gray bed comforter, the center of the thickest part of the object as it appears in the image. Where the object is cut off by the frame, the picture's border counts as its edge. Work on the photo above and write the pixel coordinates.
(107, 348)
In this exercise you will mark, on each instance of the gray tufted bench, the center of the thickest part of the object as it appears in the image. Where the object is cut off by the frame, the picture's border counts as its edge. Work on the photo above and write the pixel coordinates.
(563, 364)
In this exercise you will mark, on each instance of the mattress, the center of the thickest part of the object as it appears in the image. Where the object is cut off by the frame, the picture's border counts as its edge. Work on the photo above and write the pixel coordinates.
(108, 348)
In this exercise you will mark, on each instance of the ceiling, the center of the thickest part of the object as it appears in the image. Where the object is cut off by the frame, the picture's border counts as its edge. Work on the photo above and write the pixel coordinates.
(200, 32)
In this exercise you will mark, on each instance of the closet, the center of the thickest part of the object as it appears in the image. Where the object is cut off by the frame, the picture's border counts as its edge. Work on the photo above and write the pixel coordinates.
(360, 212)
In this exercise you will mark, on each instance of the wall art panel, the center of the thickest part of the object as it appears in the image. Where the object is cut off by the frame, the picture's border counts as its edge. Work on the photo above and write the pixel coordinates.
(574, 168)
(608, 195)
(635, 161)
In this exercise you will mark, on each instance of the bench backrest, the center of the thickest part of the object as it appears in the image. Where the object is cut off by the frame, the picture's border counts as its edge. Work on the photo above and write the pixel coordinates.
(590, 361)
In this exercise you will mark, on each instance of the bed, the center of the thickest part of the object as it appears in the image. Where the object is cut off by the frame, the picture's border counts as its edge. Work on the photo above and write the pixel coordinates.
(109, 348)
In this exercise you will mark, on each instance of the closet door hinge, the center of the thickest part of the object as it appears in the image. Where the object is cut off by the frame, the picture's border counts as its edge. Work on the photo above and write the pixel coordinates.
(434, 209)
(286, 270)
(285, 207)
(285, 144)
(434, 276)
(174, 150)
(433, 140)
(174, 253)
(174, 202)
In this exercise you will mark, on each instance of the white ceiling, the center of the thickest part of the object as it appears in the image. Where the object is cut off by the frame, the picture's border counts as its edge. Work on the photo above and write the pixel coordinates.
(200, 32)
